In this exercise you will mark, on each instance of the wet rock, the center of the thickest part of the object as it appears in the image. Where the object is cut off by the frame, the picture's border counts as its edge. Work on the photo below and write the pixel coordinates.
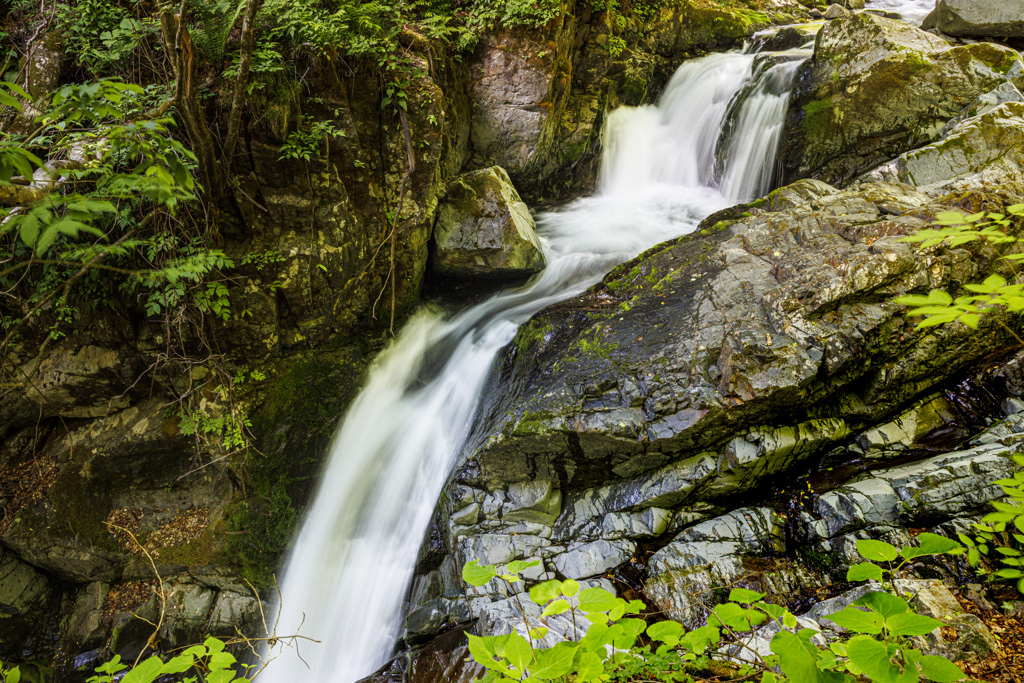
(232, 612)
(878, 87)
(187, 610)
(999, 18)
(485, 229)
(1007, 92)
(683, 576)
(835, 11)
(977, 152)
(584, 560)
(25, 600)
(85, 629)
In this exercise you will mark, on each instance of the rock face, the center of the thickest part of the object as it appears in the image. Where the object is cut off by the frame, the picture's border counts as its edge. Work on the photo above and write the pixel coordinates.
(483, 228)
(671, 401)
(977, 152)
(876, 88)
(1002, 18)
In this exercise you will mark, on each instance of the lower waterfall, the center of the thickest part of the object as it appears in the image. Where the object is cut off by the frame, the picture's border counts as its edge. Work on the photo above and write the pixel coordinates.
(352, 562)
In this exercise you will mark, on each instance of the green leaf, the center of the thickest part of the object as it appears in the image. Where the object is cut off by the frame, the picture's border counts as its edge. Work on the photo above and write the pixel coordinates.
(539, 632)
(554, 662)
(570, 588)
(940, 669)
(885, 604)
(588, 667)
(476, 574)
(146, 672)
(858, 620)
(872, 657)
(735, 617)
(877, 551)
(179, 664)
(865, 571)
(518, 652)
(545, 592)
(557, 607)
(910, 624)
(744, 595)
(483, 653)
(597, 600)
(518, 566)
(931, 544)
(798, 662)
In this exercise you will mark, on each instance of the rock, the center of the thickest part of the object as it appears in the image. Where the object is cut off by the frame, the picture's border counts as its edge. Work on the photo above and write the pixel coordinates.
(85, 629)
(187, 610)
(998, 18)
(975, 592)
(1013, 406)
(835, 11)
(27, 599)
(232, 612)
(976, 153)
(484, 228)
(1006, 92)
(878, 87)
(584, 560)
(683, 576)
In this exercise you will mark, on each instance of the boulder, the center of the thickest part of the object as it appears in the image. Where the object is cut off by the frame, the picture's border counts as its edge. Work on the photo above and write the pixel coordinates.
(977, 153)
(999, 18)
(27, 602)
(484, 229)
(1007, 92)
(835, 11)
(875, 88)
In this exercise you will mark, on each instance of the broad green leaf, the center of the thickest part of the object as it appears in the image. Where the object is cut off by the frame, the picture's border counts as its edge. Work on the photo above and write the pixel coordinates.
(877, 551)
(931, 544)
(476, 574)
(213, 645)
(539, 632)
(797, 663)
(911, 624)
(146, 672)
(865, 571)
(940, 669)
(545, 592)
(570, 588)
(556, 607)
(885, 604)
(483, 653)
(554, 662)
(588, 667)
(858, 621)
(872, 657)
(699, 639)
(597, 600)
(735, 617)
(518, 651)
(221, 660)
(517, 566)
(744, 595)
(177, 665)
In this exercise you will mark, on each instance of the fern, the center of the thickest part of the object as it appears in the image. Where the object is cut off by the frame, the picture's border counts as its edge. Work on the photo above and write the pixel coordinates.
(212, 31)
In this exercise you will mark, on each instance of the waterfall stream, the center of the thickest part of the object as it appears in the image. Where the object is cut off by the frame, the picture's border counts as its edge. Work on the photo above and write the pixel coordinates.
(351, 565)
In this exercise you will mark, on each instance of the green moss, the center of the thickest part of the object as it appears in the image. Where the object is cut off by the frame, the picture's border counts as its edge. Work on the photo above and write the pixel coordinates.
(529, 335)
(297, 409)
(818, 118)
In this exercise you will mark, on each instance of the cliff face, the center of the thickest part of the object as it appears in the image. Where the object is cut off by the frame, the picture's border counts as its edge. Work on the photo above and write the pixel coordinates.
(111, 454)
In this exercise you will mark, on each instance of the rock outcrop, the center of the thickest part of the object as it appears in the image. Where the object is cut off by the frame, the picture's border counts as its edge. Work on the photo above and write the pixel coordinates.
(996, 18)
(876, 88)
(484, 229)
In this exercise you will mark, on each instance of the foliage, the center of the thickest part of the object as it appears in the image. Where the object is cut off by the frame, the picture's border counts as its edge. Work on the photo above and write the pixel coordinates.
(206, 663)
(1000, 534)
(304, 142)
(611, 648)
(938, 307)
(101, 34)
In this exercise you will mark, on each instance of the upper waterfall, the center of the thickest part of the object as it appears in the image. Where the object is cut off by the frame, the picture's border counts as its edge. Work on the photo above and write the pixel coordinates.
(352, 562)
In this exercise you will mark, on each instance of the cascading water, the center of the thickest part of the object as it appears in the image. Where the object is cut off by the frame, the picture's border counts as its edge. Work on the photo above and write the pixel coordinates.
(352, 562)
(912, 11)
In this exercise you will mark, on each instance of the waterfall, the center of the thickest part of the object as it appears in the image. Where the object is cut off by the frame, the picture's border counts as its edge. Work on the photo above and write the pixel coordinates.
(352, 563)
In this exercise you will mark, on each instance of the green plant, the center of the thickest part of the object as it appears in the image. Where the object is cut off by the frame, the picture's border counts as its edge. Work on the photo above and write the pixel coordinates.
(939, 307)
(304, 142)
(1000, 534)
(608, 649)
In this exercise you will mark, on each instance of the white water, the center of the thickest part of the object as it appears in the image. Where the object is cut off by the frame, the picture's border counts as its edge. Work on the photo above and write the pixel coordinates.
(352, 562)
(913, 11)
